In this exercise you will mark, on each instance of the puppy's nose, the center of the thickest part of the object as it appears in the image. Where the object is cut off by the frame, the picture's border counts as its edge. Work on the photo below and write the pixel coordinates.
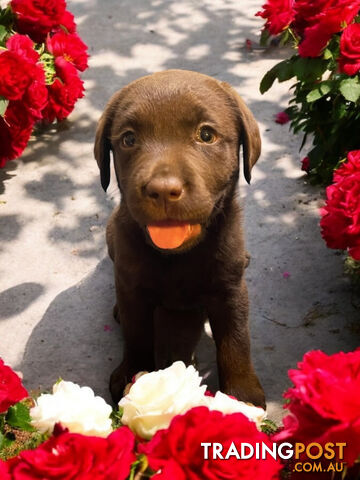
(166, 189)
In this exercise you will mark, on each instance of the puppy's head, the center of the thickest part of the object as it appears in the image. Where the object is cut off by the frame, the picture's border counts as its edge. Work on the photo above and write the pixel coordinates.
(175, 138)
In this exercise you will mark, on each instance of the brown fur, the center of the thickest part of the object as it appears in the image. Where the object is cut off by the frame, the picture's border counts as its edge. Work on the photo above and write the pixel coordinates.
(164, 296)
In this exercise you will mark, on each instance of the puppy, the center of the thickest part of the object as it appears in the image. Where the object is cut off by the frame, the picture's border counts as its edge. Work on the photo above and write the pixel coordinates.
(176, 239)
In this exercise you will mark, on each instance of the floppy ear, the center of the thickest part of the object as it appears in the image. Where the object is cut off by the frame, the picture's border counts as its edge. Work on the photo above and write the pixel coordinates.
(102, 147)
(249, 132)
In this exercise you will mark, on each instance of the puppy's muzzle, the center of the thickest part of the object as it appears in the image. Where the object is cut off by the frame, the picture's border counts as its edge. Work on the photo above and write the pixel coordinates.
(164, 189)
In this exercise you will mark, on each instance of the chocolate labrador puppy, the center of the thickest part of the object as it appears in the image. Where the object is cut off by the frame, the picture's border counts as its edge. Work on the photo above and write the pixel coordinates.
(176, 239)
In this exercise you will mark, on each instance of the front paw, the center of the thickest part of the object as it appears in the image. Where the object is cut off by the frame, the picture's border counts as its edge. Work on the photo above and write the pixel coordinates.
(247, 389)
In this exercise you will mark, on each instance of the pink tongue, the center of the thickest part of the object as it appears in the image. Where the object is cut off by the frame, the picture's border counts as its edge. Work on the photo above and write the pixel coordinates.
(172, 235)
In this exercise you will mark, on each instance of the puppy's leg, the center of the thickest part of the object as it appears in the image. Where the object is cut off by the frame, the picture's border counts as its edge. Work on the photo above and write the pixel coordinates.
(228, 316)
(136, 318)
(176, 335)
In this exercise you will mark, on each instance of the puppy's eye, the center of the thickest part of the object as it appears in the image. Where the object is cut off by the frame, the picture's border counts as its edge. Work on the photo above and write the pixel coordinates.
(206, 134)
(128, 139)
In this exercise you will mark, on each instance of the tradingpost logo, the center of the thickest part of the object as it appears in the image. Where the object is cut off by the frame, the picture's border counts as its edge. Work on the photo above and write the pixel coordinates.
(312, 457)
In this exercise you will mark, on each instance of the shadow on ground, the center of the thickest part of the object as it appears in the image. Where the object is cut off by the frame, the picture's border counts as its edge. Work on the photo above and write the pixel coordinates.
(78, 338)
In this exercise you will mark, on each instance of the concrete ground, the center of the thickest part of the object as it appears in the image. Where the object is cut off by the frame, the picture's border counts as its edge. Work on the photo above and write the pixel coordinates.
(56, 280)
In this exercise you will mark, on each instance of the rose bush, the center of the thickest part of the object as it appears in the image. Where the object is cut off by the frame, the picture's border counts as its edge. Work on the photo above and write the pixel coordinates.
(325, 402)
(40, 57)
(324, 103)
(325, 68)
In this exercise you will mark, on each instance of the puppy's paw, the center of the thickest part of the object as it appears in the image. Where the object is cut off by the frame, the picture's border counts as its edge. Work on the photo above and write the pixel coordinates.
(247, 389)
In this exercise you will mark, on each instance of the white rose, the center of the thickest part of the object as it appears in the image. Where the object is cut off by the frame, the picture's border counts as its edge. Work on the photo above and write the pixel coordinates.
(76, 408)
(157, 397)
(227, 405)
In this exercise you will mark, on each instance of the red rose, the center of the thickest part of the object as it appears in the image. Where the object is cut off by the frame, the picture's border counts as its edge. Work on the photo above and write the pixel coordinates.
(71, 456)
(23, 46)
(176, 453)
(305, 164)
(37, 18)
(21, 77)
(349, 60)
(278, 14)
(351, 166)
(316, 22)
(340, 222)
(282, 118)
(36, 95)
(35, 98)
(67, 21)
(64, 92)
(325, 402)
(11, 388)
(23, 80)
(317, 36)
(15, 130)
(4, 471)
(307, 12)
(15, 75)
(70, 47)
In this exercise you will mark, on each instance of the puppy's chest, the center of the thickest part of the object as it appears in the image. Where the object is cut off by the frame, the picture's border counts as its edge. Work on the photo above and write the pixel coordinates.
(177, 286)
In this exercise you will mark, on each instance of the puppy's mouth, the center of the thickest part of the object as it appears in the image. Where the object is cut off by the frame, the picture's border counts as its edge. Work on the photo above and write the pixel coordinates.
(170, 234)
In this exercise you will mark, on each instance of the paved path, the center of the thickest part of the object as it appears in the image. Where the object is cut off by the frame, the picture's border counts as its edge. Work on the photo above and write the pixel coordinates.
(56, 283)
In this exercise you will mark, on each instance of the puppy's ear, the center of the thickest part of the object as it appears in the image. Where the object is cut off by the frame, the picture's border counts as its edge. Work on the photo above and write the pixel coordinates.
(249, 131)
(102, 147)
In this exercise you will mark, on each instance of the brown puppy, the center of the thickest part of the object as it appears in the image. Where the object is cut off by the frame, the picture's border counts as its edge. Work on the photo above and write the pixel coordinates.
(176, 239)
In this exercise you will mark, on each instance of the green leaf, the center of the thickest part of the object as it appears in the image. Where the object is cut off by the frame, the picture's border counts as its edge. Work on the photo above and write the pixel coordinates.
(310, 69)
(285, 70)
(285, 36)
(6, 440)
(18, 416)
(3, 33)
(303, 142)
(282, 71)
(139, 466)
(3, 106)
(265, 35)
(268, 79)
(327, 54)
(350, 89)
(6, 16)
(268, 426)
(2, 421)
(321, 89)
(116, 416)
